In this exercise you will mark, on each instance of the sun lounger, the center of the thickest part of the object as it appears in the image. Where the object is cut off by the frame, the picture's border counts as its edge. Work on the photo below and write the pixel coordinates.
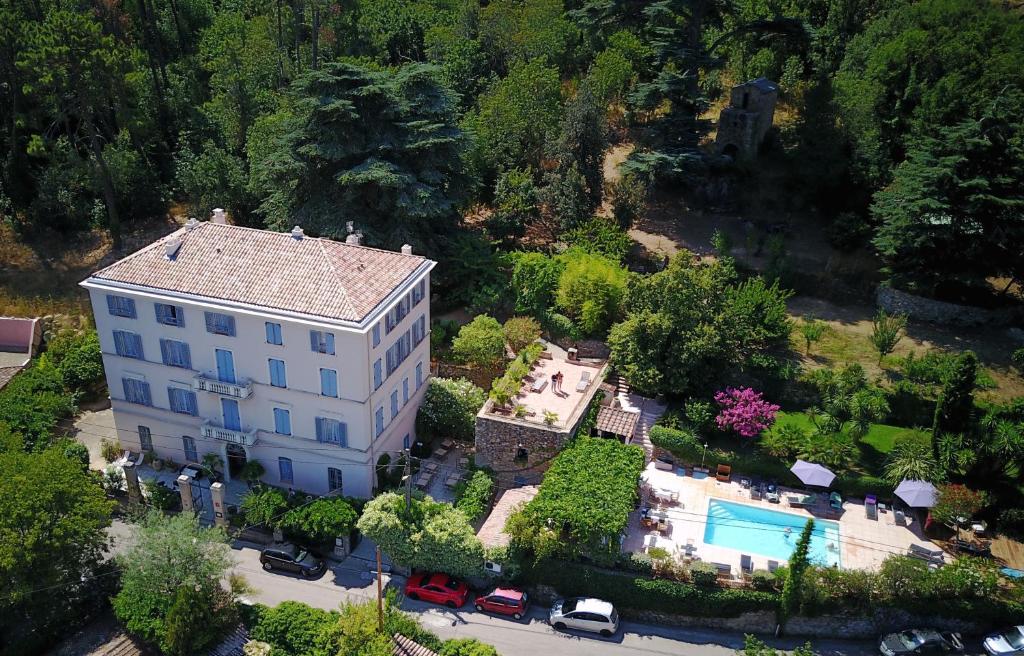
(447, 444)
(799, 500)
(724, 473)
(423, 480)
(539, 384)
(584, 382)
(931, 556)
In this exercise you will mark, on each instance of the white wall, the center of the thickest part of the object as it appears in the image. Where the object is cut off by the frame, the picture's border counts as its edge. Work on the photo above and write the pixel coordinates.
(353, 360)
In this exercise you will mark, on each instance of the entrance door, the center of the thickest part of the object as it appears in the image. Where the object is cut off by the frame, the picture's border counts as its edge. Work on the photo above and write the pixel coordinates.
(236, 459)
(232, 419)
(225, 366)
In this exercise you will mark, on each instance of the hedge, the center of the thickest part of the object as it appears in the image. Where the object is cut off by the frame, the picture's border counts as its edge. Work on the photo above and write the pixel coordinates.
(473, 497)
(645, 594)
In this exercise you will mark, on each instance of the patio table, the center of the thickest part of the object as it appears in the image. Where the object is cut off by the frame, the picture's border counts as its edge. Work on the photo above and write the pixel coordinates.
(423, 480)
(440, 453)
(452, 480)
(430, 466)
(447, 444)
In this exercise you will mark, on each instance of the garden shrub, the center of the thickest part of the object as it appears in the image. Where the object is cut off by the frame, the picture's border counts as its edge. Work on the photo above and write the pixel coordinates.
(505, 387)
(702, 573)
(466, 647)
(34, 402)
(76, 356)
(110, 449)
(473, 497)
(1018, 358)
(631, 593)
(640, 563)
(293, 628)
(681, 443)
(449, 409)
(559, 326)
(763, 580)
(600, 236)
(910, 404)
(1011, 522)
(319, 522)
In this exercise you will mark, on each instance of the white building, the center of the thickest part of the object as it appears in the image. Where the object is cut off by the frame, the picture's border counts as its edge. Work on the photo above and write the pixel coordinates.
(307, 355)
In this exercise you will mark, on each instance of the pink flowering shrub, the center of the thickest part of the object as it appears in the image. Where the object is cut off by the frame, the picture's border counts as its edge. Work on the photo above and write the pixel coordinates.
(744, 411)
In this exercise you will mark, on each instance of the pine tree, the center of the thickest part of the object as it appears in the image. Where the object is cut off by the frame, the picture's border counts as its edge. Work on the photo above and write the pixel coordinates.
(956, 402)
(798, 564)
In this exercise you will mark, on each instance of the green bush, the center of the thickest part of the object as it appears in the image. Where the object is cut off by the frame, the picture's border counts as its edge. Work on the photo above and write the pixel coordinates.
(631, 593)
(1011, 522)
(910, 404)
(639, 563)
(680, 442)
(320, 522)
(763, 580)
(559, 326)
(34, 402)
(702, 573)
(466, 647)
(293, 628)
(473, 497)
(77, 357)
(449, 409)
(1018, 358)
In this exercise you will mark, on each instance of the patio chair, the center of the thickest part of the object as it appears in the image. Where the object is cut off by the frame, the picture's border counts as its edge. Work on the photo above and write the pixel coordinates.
(899, 518)
(724, 473)
(835, 501)
(871, 507)
(771, 493)
(755, 492)
(584, 382)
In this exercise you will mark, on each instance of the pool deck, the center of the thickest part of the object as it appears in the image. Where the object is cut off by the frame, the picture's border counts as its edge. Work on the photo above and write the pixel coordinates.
(864, 543)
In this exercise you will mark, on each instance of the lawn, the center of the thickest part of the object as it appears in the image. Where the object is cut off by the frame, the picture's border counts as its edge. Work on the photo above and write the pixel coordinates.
(880, 437)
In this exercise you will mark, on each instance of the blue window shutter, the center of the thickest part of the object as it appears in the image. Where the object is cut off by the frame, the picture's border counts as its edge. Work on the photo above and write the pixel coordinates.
(119, 345)
(193, 406)
(147, 398)
(211, 322)
(285, 469)
(184, 355)
(232, 419)
(405, 390)
(319, 429)
(165, 351)
(329, 382)
(378, 378)
(270, 332)
(230, 325)
(394, 403)
(161, 312)
(330, 343)
(111, 304)
(282, 421)
(343, 434)
(137, 347)
(314, 341)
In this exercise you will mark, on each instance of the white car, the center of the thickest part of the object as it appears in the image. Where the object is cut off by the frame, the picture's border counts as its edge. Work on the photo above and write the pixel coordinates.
(1005, 643)
(585, 614)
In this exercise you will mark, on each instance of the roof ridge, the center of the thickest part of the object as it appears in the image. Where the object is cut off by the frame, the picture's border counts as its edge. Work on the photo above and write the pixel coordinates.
(145, 249)
(329, 240)
(334, 272)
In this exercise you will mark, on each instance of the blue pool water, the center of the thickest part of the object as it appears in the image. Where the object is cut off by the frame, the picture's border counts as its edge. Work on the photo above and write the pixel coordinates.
(754, 530)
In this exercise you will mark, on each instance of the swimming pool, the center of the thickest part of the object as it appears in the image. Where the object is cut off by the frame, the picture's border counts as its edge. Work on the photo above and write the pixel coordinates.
(754, 530)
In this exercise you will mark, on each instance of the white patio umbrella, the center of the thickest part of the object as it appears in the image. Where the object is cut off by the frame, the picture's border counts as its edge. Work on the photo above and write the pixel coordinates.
(917, 494)
(811, 473)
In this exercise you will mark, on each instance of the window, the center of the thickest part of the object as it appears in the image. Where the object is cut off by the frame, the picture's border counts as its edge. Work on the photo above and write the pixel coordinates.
(394, 404)
(175, 353)
(282, 421)
(182, 401)
(396, 314)
(277, 373)
(376, 334)
(419, 374)
(220, 324)
(284, 467)
(229, 410)
(121, 306)
(418, 292)
(274, 333)
(321, 342)
(145, 438)
(169, 315)
(225, 366)
(419, 330)
(331, 431)
(521, 454)
(378, 374)
(405, 441)
(398, 352)
(191, 455)
(329, 382)
(378, 423)
(333, 479)
(136, 391)
(128, 344)
(405, 390)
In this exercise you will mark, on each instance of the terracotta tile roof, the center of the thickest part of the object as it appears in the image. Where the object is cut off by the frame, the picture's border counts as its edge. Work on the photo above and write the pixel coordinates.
(406, 647)
(312, 276)
(492, 532)
(616, 420)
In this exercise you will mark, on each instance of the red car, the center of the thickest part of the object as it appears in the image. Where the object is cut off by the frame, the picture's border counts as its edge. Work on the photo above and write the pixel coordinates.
(437, 588)
(505, 601)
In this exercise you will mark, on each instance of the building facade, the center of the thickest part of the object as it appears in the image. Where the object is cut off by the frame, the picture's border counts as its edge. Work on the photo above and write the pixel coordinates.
(307, 355)
(744, 123)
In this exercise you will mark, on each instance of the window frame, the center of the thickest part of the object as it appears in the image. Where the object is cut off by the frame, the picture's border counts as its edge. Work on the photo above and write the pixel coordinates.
(121, 306)
(186, 403)
(287, 414)
(283, 373)
(145, 438)
(218, 323)
(168, 348)
(124, 338)
(143, 386)
(322, 342)
(281, 462)
(188, 444)
(176, 316)
(273, 332)
(334, 475)
(329, 382)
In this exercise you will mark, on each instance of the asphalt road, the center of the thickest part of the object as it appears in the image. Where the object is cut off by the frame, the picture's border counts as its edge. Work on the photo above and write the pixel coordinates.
(531, 636)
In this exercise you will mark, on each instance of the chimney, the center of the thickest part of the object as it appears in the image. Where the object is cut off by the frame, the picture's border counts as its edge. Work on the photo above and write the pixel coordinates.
(406, 249)
(219, 216)
(355, 238)
(191, 225)
(297, 233)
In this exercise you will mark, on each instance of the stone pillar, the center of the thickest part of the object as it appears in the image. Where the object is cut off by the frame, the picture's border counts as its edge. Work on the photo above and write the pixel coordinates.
(131, 480)
(220, 515)
(185, 489)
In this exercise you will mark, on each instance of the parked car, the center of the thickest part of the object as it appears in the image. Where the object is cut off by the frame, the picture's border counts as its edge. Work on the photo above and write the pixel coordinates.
(438, 589)
(1005, 643)
(504, 601)
(585, 614)
(920, 641)
(291, 558)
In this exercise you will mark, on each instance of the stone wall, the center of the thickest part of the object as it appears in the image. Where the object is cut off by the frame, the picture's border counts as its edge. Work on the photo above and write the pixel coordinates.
(948, 314)
(498, 441)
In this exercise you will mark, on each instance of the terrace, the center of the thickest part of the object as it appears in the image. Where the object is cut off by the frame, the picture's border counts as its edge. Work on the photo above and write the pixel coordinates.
(678, 521)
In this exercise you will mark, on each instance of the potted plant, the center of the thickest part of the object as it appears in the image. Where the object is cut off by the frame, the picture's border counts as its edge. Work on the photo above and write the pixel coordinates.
(252, 471)
(550, 417)
(212, 464)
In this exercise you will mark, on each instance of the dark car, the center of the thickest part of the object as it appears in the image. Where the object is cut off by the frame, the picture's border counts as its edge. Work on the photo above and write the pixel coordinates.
(504, 601)
(290, 558)
(920, 641)
(437, 588)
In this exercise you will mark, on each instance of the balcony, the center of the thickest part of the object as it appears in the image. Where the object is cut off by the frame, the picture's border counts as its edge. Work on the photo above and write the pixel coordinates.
(203, 383)
(211, 431)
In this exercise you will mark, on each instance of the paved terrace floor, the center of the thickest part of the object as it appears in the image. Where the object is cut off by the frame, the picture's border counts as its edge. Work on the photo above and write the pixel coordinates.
(564, 402)
(864, 543)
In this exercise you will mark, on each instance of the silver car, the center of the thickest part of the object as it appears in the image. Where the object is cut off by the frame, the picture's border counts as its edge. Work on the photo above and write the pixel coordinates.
(1005, 643)
(585, 614)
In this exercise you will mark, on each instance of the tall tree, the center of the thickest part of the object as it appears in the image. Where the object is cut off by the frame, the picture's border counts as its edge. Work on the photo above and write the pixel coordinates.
(379, 148)
(799, 561)
(583, 140)
(953, 210)
(52, 539)
(956, 402)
